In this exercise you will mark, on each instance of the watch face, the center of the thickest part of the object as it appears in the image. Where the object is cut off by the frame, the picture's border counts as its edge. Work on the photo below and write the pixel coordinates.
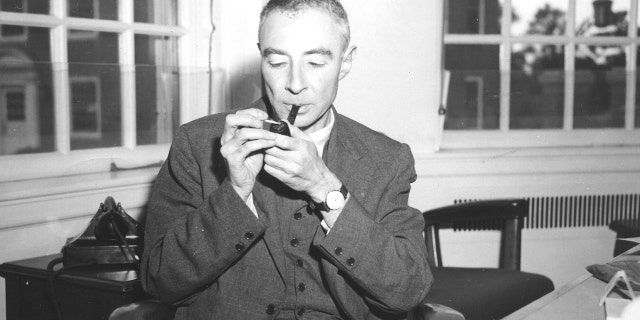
(335, 200)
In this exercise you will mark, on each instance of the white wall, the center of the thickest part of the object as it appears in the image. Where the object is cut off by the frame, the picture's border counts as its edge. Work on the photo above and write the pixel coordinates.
(394, 85)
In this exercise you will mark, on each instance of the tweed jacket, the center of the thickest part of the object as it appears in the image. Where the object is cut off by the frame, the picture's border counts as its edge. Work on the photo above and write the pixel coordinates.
(207, 254)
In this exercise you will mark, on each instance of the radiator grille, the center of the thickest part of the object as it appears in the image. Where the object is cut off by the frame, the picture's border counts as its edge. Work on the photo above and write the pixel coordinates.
(578, 211)
(581, 211)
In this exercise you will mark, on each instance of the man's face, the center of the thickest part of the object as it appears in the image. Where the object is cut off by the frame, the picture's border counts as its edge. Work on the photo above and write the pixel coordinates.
(303, 59)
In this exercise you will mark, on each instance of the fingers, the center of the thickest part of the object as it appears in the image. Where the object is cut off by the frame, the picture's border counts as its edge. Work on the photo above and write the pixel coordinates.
(247, 140)
(257, 113)
(286, 165)
(296, 132)
(236, 152)
(245, 118)
(243, 135)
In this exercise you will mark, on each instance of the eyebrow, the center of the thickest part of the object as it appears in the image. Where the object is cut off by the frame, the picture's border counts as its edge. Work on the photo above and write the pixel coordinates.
(320, 51)
(270, 51)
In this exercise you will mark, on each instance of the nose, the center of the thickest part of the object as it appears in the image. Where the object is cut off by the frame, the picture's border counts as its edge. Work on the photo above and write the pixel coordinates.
(297, 82)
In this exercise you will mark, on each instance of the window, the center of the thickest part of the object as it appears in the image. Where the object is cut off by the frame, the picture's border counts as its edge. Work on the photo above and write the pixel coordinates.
(15, 103)
(11, 32)
(541, 73)
(86, 111)
(103, 79)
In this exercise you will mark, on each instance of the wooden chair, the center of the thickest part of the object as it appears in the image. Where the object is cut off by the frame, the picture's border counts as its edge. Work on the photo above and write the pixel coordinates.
(483, 293)
(624, 228)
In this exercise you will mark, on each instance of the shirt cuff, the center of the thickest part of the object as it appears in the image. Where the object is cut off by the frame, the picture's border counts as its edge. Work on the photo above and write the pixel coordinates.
(325, 226)
(252, 206)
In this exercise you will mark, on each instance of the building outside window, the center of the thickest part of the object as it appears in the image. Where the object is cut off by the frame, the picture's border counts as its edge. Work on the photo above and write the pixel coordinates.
(553, 73)
(101, 74)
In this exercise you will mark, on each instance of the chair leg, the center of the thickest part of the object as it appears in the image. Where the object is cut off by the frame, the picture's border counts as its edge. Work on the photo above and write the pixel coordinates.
(511, 244)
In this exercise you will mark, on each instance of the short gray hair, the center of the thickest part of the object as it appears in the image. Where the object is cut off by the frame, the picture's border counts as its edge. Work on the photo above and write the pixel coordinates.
(333, 7)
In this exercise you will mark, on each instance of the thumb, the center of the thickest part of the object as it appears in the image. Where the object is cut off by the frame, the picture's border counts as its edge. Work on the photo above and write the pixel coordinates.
(296, 132)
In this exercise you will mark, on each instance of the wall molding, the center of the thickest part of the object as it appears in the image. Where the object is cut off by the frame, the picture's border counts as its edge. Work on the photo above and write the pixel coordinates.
(512, 161)
(41, 201)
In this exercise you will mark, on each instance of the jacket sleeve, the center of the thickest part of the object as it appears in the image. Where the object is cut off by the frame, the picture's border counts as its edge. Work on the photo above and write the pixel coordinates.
(382, 253)
(192, 237)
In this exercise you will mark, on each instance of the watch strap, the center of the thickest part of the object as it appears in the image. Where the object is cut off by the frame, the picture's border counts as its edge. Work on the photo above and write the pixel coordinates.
(322, 206)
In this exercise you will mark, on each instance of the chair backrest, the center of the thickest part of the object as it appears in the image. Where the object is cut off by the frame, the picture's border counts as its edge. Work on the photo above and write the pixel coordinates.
(504, 214)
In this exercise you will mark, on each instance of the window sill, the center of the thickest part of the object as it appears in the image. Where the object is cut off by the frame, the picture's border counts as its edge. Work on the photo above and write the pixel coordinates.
(50, 165)
(504, 161)
(72, 198)
(16, 192)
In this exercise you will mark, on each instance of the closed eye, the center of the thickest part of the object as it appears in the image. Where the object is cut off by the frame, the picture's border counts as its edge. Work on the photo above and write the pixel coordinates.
(277, 64)
(317, 64)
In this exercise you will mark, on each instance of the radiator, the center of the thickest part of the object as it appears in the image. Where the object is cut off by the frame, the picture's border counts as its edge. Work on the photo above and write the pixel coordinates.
(573, 211)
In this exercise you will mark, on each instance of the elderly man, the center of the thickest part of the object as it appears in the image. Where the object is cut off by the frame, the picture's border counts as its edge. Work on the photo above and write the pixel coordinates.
(246, 223)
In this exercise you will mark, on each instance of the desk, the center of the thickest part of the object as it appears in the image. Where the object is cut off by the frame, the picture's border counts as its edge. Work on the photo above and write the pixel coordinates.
(91, 292)
(577, 300)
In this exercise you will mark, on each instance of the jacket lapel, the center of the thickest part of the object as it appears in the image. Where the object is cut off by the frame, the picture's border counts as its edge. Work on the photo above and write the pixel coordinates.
(345, 157)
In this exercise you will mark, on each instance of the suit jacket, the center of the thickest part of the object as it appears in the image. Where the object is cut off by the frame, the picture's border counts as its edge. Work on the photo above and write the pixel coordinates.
(208, 254)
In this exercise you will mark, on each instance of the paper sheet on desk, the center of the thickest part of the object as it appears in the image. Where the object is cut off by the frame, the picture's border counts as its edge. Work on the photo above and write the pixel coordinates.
(624, 265)
(615, 307)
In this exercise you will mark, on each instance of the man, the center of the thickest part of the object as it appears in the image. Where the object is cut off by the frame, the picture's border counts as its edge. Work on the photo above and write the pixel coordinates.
(244, 223)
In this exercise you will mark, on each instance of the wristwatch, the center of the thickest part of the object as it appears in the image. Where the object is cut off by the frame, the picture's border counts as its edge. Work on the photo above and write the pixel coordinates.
(334, 200)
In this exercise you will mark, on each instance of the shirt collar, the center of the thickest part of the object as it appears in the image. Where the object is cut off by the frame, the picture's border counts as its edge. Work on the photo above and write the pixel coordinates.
(321, 136)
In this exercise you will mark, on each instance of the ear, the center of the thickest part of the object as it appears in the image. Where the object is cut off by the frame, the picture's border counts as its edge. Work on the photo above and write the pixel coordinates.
(347, 60)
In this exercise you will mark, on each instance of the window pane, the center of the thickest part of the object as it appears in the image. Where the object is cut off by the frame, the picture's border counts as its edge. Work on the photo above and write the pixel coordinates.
(637, 115)
(155, 11)
(26, 96)
(537, 86)
(156, 88)
(602, 18)
(474, 88)
(540, 17)
(94, 77)
(473, 16)
(600, 87)
(13, 5)
(93, 9)
(30, 6)
(12, 32)
(19, 33)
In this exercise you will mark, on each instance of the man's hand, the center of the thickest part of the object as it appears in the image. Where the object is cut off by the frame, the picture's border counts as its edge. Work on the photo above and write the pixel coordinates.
(242, 145)
(295, 161)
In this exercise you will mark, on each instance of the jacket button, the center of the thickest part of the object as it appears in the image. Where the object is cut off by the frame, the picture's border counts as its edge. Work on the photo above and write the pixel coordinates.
(270, 309)
(302, 286)
(239, 247)
(299, 263)
(248, 235)
(294, 242)
(338, 251)
(351, 262)
(297, 215)
(301, 312)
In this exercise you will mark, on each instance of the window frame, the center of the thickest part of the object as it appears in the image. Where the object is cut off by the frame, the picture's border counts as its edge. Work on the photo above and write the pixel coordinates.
(567, 136)
(64, 161)
(18, 37)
